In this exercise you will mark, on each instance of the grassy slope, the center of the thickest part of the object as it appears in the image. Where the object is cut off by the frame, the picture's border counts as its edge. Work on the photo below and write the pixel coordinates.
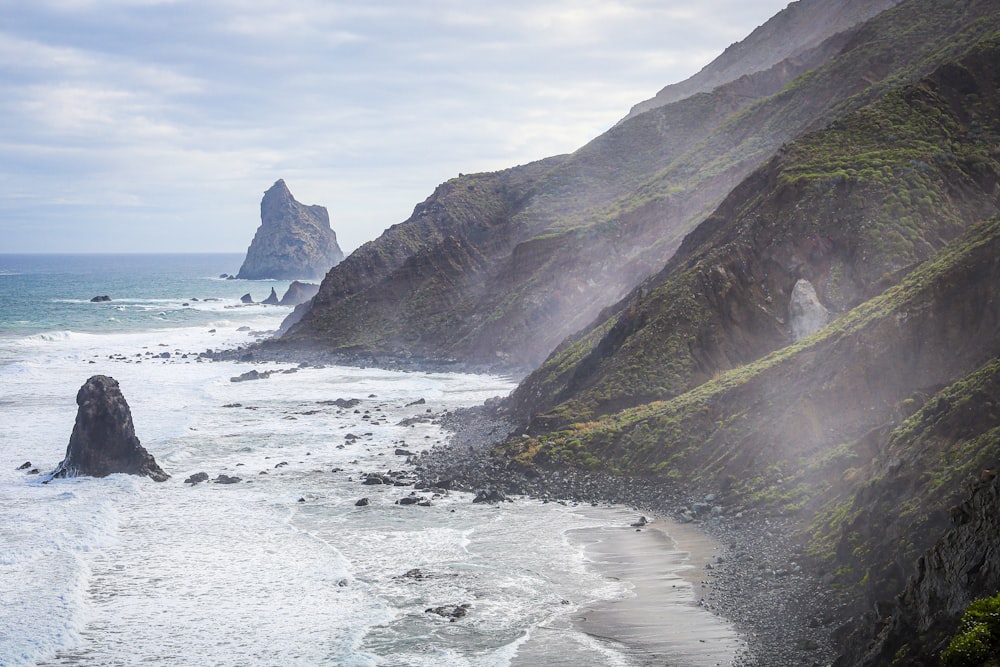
(846, 207)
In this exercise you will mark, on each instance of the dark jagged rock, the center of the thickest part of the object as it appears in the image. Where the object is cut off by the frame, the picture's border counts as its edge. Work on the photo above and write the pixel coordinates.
(962, 567)
(251, 375)
(362, 502)
(197, 478)
(451, 612)
(490, 496)
(100, 299)
(227, 479)
(246, 298)
(272, 299)
(103, 440)
(298, 292)
(293, 240)
(24, 466)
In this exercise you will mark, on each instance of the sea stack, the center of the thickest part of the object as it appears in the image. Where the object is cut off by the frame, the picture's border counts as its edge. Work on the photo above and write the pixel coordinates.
(103, 440)
(294, 241)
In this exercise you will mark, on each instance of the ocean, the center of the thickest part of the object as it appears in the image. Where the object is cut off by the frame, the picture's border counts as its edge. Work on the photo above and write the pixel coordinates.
(281, 568)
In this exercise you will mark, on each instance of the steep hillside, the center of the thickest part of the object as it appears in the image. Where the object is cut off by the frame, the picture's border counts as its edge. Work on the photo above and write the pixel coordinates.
(847, 209)
(580, 231)
(792, 32)
(867, 433)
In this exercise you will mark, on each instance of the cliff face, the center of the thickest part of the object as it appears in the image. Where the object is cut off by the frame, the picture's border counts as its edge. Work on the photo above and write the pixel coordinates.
(564, 238)
(790, 34)
(293, 240)
(868, 433)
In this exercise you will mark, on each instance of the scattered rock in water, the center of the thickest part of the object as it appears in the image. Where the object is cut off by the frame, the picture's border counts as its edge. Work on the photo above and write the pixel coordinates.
(451, 612)
(246, 298)
(24, 466)
(103, 441)
(362, 502)
(197, 478)
(251, 375)
(419, 401)
(403, 452)
(272, 299)
(491, 496)
(408, 500)
(243, 329)
(226, 479)
(342, 403)
(100, 299)
(643, 521)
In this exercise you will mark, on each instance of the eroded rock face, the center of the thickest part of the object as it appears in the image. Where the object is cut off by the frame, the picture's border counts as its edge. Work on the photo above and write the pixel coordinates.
(293, 240)
(103, 440)
(806, 314)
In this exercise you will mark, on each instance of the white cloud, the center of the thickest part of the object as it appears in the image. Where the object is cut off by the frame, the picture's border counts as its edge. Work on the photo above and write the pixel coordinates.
(146, 111)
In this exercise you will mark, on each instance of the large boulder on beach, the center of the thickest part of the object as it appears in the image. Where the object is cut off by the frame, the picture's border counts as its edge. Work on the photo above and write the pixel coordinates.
(103, 441)
(293, 241)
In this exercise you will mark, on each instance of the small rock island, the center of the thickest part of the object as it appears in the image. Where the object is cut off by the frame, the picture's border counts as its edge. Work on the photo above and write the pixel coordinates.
(294, 241)
(103, 440)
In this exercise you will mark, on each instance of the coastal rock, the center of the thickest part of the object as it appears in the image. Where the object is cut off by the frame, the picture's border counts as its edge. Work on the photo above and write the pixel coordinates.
(272, 299)
(227, 479)
(490, 496)
(24, 466)
(293, 240)
(251, 375)
(451, 612)
(806, 314)
(362, 502)
(197, 478)
(100, 299)
(298, 292)
(103, 440)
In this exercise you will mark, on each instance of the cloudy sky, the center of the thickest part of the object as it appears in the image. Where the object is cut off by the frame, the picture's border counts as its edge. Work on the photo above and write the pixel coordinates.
(156, 125)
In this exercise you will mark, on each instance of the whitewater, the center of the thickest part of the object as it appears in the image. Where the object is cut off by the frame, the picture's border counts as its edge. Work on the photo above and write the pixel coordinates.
(283, 567)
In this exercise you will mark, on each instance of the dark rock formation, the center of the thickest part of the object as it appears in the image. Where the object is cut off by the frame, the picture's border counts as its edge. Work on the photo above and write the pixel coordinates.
(451, 612)
(272, 299)
(197, 478)
(490, 496)
(293, 240)
(226, 479)
(299, 292)
(962, 567)
(362, 502)
(100, 299)
(246, 298)
(103, 440)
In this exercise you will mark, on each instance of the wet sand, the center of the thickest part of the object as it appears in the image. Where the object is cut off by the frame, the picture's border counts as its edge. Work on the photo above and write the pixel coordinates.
(659, 622)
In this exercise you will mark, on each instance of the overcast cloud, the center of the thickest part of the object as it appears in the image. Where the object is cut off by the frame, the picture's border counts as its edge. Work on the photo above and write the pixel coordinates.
(156, 125)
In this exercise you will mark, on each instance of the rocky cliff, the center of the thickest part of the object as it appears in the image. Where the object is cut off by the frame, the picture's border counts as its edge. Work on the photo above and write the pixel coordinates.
(863, 436)
(293, 240)
(790, 34)
(559, 240)
(103, 441)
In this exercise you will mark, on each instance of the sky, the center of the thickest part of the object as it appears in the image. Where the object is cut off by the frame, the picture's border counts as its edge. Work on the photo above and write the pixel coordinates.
(157, 125)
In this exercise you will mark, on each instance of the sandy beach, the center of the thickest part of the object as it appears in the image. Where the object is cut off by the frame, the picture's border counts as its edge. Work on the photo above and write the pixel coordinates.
(660, 621)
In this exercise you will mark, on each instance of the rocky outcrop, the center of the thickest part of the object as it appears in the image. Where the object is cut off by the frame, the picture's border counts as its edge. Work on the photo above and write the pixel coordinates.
(293, 240)
(791, 33)
(805, 312)
(961, 568)
(298, 292)
(272, 299)
(542, 249)
(103, 440)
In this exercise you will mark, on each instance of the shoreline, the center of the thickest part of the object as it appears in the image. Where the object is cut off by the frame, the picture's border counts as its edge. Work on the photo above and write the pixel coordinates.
(784, 617)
